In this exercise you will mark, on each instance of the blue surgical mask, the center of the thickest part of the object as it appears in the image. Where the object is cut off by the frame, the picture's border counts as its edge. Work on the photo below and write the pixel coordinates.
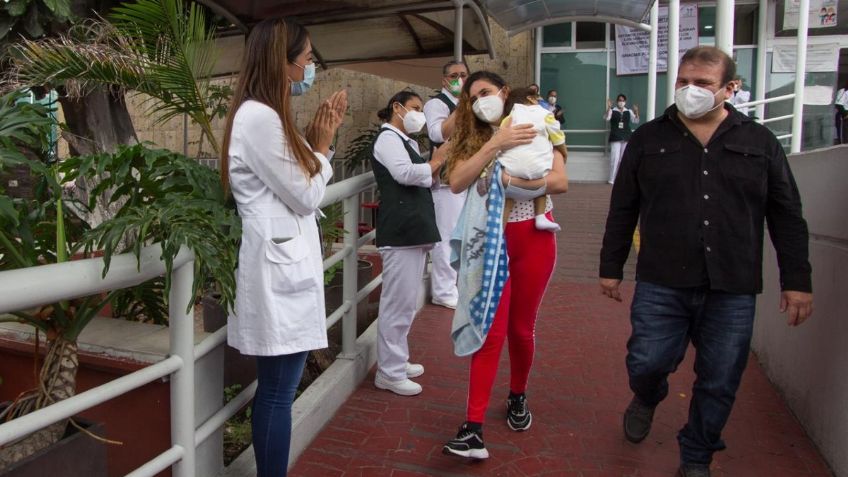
(300, 87)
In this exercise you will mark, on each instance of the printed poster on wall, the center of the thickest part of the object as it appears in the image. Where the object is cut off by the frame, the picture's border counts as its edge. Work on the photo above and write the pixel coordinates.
(821, 58)
(632, 45)
(822, 13)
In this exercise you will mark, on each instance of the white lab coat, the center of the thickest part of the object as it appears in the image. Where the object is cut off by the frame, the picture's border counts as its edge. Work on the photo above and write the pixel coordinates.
(279, 305)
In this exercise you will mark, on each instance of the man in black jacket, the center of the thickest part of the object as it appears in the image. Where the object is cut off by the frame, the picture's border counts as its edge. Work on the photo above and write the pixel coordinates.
(701, 180)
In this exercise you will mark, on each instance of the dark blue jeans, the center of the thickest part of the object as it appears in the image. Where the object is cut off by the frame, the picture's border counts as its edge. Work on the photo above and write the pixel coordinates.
(278, 379)
(720, 326)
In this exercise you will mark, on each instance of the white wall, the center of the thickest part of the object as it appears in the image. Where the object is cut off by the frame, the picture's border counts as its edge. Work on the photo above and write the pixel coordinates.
(809, 364)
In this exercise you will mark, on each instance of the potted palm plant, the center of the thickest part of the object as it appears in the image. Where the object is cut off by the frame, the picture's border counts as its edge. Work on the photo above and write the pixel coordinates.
(164, 197)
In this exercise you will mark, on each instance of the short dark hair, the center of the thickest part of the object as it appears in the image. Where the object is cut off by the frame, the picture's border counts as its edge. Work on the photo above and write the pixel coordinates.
(716, 56)
(452, 63)
(518, 96)
(400, 97)
(552, 91)
(621, 95)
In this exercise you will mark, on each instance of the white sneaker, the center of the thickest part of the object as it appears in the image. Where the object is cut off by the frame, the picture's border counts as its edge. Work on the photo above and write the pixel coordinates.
(414, 370)
(404, 387)
(447, 304)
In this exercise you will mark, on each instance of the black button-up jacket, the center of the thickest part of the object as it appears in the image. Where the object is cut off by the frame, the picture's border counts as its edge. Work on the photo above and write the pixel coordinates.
(701, 208)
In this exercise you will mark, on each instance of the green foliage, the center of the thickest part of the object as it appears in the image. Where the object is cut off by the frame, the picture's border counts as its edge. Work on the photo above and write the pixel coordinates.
(40, 230)
(31, 18)
(144, 302)
(165, 198)
(162, 48)
(360, 149)
(21, 124)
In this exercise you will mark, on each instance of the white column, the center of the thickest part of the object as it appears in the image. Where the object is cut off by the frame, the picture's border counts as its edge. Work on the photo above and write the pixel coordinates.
(182, 381)
(762, 40)
(457, 30)
(724, 25)
(673, 47)
(652, 63)
(800, 75)
(537, 68)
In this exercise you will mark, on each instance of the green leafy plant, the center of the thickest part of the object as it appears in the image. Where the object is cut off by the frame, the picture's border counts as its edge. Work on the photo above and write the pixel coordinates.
(360, 149)
(31, 17)
(164, 197)
(161, 48)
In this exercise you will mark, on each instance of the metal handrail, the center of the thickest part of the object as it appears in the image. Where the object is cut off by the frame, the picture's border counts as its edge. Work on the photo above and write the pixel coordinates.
(775, 99)
(34, 286)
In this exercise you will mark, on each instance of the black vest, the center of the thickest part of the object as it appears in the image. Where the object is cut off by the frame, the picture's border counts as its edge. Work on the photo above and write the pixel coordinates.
(451, 107)
(406, 215)
(620, 133)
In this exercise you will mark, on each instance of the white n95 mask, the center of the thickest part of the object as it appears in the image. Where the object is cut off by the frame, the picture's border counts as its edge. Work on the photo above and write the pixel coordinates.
(489, 108)
(695, 101)
(413, 121)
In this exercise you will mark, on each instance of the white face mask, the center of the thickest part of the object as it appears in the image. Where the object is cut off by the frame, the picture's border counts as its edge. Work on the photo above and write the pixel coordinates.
(552, 99)
(413, 121)
(489, 108)
(694, 101)
(621, 104)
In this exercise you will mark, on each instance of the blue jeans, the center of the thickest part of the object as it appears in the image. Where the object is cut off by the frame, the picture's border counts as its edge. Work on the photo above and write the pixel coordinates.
(278, 379)
(720, 326)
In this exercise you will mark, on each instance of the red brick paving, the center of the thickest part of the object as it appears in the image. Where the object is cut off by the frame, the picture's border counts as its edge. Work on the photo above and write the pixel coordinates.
(577, 392)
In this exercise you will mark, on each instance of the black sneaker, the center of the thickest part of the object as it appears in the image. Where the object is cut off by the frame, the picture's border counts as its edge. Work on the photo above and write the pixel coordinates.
(518, 416)
(468, 443)
(693, 470)
(637, 420)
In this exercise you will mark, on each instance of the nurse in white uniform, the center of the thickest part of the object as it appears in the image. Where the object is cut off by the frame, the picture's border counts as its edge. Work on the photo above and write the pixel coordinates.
(440, 124)
(278, 178)
(406, 230)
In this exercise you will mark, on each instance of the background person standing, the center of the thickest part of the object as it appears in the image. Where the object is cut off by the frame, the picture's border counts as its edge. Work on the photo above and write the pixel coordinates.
(621, 120)
(406, 230)
(701, 180)
(439, 112)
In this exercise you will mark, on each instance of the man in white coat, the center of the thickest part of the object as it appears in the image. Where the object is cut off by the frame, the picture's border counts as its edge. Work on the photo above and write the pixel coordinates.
(439, 112)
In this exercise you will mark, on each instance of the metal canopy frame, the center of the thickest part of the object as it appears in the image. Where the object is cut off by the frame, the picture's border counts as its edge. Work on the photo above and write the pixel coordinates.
(423, 29)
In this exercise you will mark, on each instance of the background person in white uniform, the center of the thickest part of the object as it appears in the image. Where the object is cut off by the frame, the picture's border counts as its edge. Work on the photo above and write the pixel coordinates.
(277, 177)
(406, 230)
(621, 121)
(440, 125)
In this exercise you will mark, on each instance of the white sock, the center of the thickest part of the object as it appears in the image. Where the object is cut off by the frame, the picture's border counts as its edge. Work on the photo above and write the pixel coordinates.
(544, 223)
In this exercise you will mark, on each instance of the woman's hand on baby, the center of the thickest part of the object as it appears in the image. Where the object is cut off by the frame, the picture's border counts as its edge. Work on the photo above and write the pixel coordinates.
(509, 136)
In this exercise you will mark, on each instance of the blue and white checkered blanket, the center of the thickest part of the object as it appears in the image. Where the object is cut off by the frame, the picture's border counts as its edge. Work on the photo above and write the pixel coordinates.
(478, 252)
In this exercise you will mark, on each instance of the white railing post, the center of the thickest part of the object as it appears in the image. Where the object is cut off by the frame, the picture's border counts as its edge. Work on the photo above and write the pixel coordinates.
(181, 325)
(350, 286)
(762, 39)
(652, 62)
(673, 58)
(800, 76)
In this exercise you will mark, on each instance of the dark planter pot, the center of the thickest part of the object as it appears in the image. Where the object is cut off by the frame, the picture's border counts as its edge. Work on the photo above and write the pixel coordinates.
(75, 455)
(238, 368)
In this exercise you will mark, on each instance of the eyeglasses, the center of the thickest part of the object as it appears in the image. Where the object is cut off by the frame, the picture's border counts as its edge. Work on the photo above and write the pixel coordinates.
(454, 76)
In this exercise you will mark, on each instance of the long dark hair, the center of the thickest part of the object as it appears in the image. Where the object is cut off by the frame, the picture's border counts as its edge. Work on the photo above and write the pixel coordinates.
(401, 97)
(470, 133)
(271, 44)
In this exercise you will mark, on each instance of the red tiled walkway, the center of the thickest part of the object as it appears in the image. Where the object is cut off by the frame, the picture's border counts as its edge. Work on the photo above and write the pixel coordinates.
(577, 392)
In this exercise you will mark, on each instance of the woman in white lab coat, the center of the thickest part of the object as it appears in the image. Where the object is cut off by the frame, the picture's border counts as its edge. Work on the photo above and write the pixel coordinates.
(406, 230)
(278, 178)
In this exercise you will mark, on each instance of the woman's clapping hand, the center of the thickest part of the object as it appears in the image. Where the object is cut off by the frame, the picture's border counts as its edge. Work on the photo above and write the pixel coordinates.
(328, 118)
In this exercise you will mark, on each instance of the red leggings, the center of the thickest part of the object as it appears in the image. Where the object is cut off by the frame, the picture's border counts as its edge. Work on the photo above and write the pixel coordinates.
(532, 254)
